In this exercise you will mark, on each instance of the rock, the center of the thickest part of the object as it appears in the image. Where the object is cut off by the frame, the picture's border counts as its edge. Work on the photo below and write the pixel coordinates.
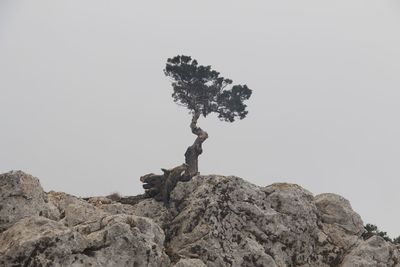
(374, 252)
(190, 263)
(78, 234)
(38, 241)
(98, 201)
(153, 209)
(120, 240)
(210, 221)
(340, 222)
(226, 221)
(22, 196)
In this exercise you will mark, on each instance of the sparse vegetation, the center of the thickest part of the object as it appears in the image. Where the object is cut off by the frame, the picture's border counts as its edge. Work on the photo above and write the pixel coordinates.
(371, 230)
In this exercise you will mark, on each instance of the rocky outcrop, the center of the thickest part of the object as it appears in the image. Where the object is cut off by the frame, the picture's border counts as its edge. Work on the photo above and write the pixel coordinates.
(374, 252)
(57, 229)
(209, 221)
(22, 196)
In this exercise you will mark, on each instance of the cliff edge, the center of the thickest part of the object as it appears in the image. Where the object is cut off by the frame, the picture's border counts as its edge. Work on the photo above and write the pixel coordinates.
(210, 221)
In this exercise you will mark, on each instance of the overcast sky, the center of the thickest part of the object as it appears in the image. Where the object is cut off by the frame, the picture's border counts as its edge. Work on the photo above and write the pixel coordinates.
(85, 106)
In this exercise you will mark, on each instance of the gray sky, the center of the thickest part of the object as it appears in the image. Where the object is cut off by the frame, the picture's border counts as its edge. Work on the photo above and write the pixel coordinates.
(85, 106)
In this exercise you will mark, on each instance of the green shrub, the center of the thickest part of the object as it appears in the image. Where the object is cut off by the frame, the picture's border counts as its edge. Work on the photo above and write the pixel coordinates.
(371, 230)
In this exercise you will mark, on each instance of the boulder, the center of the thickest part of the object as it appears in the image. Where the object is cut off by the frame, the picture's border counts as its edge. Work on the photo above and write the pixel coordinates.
(374, 252)
(21, 195)
(339, 221)
(57, 229)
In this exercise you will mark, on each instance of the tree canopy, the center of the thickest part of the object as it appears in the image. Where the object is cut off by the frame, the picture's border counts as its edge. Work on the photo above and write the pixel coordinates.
(202, 90)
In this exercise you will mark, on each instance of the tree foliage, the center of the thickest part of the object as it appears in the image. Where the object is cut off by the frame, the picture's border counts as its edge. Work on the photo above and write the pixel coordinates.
(201, 89)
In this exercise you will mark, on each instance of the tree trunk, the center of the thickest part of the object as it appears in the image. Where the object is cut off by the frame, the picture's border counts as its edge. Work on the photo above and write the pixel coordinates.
(160, 187)
(193, 152)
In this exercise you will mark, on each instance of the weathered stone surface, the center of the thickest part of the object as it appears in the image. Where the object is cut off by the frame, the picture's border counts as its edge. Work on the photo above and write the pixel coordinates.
(374, 252)
(190, 263)
(22, 196)
(226, 221)
(121, 240)
(210, 221)
(78, 234)
(38, 241)
(340, 222)
(153, 209)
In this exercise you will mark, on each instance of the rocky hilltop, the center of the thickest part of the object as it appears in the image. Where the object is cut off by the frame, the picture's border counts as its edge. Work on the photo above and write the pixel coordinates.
(210, 221)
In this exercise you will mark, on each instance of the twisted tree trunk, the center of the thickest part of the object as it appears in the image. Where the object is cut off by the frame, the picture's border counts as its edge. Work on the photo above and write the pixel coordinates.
(193, 152)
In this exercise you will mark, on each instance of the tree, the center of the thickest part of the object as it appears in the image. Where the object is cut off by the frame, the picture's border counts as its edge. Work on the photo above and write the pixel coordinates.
(203, 91)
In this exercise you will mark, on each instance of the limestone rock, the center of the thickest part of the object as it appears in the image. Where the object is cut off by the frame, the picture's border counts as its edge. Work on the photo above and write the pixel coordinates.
(78, 234)
(374, 252)
(22, 196)
(190, 263)
(119, 240)
(340, 222)
(225, 221)
(153, 209)
(210, 221)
